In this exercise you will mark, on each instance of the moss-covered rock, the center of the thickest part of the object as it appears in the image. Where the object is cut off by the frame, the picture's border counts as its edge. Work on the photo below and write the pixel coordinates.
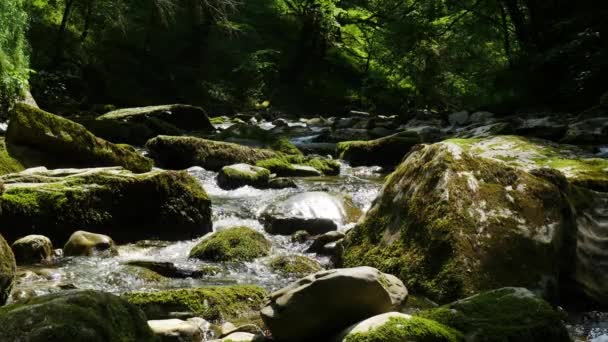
(170, 270)
(387, 151)
(7, 270)
(184, 152)
(507, 315)
(32, 249)
(239, 175)
(451, 223)
(232, 244)
(398, 327)
(79, 316)
(294, 265)
(37, 138)
(160, 204)
(138, 125)
(8, 164)
(290, 166)
(213, 303)
(260, 137)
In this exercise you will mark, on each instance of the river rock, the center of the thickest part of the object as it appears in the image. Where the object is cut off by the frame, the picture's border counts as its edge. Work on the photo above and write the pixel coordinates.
(232, 244)
(137, 125)
(319, 243)
(7, 270)
(459, 118)
(470, 209)
(184, 152)
(294, 265)
(167, 269)
(228, 328)
(239, 175)
(482, 118)
(258, 137)
(83, 243)
(238, 337)
(314, 212)
(397, 327)
(73, 316)
(324, 303)
(282, 183)
(33, 249)
(593, 131)
(177, 330)
(213, 303)
(38, 138)
(547, 127)
(113, 201)
(506, 314)
(387, 151)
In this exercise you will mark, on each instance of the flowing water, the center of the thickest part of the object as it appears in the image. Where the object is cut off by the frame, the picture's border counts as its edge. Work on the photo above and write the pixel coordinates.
(240, 207)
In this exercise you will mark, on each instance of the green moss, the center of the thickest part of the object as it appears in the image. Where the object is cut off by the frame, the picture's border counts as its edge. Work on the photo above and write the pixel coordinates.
(296, 265)
(8, 164)
(399, 329)
(211, 303)
(283, 165)
(508, 314)
(7, 270)
(184, 152)
(74, 316)
(104, 200)
(387, 151)
(36, 138)
(235, 176)
(232, 244)
(218, 120)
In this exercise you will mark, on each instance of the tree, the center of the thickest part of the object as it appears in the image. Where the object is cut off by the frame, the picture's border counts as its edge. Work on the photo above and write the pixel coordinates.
(14, 63)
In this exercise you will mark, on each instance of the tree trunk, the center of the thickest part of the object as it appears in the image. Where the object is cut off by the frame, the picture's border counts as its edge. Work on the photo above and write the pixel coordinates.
(62, 28)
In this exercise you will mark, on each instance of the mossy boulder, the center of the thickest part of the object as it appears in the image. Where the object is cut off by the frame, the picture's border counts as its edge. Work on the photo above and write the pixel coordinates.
(398, 327)
(450, 223)
(83, 243)
(315, 212)
(507, 314)
(300, 166)
(387, 151)
(294, 265)
(8, 164)
(212, 303)
(232, 244)
(37, 138)
(7, 270)
(138, 125)
(322, 304)
(33, 249)
(159, 204)
(184, 152)
(79, 316)
(239, 175)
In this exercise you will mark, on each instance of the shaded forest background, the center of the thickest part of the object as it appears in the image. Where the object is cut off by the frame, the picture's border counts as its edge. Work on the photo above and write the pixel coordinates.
(305, 56)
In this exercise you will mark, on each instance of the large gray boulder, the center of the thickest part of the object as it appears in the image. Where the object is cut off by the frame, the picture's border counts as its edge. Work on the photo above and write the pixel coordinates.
(315, 212)
(322, 304)
(177, 330)
(76, 316)
(33, 249)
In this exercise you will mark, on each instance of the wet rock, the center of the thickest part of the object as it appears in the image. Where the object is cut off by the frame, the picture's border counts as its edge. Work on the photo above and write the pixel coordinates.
(495, 195)
(304, 171)
(282, 183)
(137, 125)
(238, 337)
(320, 243)
(73, 316)
(212, 303)
(300, 236)
(184, 152)
(301, 166)
(593, 131)
(388, 151)
(294, 265)
(324, 303)
(488, 130)
(548, 127)
(239, 175)
(38, 138)
(481, 118)
(83, 243)
(459, 118)
(166, 269)
(7, 270)
(177, 330)
(317, 148)
(259, 137)
(229, 328)
(395, 326)
(314, 212)
(33, 249)
(232, 244)
(507, 314)
(113, 201)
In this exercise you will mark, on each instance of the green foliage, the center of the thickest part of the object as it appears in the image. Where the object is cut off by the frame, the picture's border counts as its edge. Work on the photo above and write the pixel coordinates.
(14, 62)
(413, 329)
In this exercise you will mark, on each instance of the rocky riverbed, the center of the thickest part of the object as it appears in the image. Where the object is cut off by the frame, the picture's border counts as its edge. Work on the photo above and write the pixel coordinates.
(449, 209)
